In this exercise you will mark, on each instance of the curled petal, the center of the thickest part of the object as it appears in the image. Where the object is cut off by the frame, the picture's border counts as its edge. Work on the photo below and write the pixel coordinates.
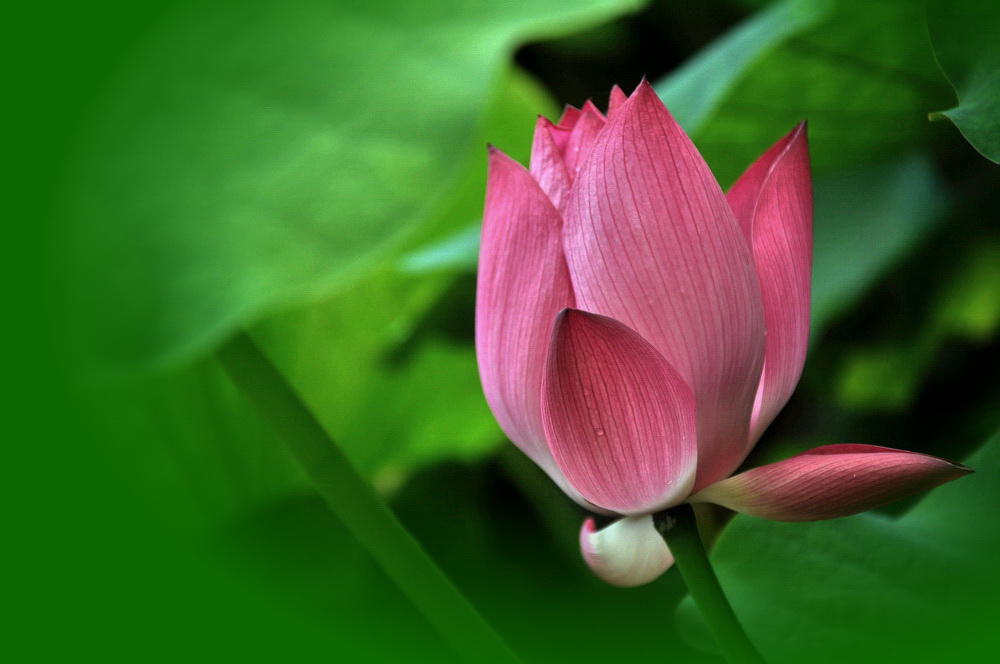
(522, 285)
(830, 482)
(651, 241)
(619, 420)
(627, 553)
(772, 202)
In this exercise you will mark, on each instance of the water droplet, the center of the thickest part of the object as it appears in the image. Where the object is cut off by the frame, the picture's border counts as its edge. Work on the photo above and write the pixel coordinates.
(599, 432)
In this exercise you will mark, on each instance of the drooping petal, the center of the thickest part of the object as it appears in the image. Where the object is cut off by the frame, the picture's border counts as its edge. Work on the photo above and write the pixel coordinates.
(627, 553)
(619, 420)
(522, 285)
(772, 202)
(651, 241)
(830, 482)
(547, 165)
(615, 102)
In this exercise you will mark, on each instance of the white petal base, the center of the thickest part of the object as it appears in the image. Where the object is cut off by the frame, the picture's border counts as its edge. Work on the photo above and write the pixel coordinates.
(627, 553)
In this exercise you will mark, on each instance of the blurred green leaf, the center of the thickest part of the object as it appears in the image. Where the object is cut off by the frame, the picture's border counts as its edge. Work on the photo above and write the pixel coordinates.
(696, 89)
(867, 219)
(395, 398)
(862, 102)
(186, 440)
(456, 252)
(253, 155)
(542, 597)
(967, 46)
(869, 588)
(392, 400)
(189, 444)
(963, 306)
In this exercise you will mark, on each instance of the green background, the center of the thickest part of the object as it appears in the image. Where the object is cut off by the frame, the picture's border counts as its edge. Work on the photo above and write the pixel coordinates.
(314, 171)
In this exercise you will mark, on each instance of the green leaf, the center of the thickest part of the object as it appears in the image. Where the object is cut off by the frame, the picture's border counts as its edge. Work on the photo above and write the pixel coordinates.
(870, 588)
(862, 103)
(964, 34)
(388, 364)
(254, 155)
(866, 220)
(360, 507)
(394, 397)
(530, 581)
(962, 306)
(696, 89)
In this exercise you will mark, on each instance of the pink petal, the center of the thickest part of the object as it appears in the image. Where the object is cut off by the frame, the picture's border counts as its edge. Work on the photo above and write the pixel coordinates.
(590, 107)
(651, 241)
(617, 99)
(830, 482)
(773, 205)
(581, 139)
(522, 285)
(547, 166)
(627, 553)
(618, 418)
(569, 117)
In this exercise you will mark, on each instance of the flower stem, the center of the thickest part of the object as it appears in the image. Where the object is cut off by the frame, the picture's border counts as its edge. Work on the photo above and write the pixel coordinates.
(679, 529)
(360, 508)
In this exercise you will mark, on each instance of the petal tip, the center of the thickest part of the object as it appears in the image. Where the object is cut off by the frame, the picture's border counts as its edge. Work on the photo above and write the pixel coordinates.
(831, 482)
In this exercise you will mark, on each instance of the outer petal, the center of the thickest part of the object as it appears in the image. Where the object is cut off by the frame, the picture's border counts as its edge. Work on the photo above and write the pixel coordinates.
(522, 285)
(773, 205)
(618, 418)
(547, 166)
(830, 482)
(627, 553)
(651, 241)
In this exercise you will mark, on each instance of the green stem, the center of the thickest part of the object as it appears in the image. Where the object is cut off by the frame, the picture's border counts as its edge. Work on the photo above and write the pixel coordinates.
(679, 529)
(360, 508)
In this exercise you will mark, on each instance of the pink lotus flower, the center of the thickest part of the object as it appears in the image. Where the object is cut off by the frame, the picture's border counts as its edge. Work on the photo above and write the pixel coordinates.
(637, 330)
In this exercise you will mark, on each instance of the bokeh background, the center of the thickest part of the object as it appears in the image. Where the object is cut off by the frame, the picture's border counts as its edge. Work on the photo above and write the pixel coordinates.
(313, 171)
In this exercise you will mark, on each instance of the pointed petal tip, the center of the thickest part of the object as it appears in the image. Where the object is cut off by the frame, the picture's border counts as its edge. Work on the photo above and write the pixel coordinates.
(831, 482)
(590, 107)
(799, 132)
(542, 121)
(615, 101)
(500, 159)
(961, 468)
(644, 89)
(627, 553)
